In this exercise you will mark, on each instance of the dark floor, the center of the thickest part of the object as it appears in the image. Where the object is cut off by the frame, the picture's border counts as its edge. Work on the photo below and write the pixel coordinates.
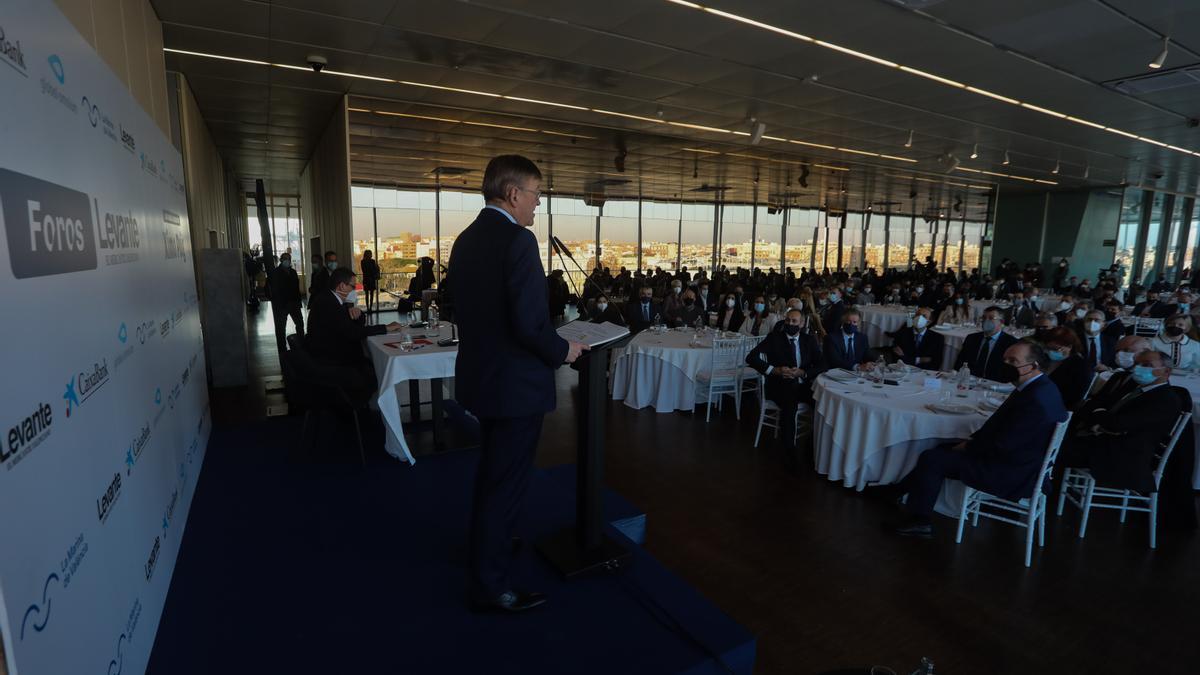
(803, 564)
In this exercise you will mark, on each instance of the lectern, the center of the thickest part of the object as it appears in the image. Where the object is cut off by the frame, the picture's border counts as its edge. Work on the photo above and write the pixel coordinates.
(585, 548)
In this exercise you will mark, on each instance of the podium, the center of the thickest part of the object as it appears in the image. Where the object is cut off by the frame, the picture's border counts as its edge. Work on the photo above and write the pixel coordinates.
(584, 548)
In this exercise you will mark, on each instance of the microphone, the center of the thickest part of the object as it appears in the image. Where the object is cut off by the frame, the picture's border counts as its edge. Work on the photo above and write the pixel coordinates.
(562, 248)
(587, 278)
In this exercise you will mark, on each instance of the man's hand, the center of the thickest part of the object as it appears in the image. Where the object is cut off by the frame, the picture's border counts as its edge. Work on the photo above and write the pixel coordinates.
(867, 367)
(1101, 368)
(897, 351)
(355, 313)
(394, 327)
(574, 349)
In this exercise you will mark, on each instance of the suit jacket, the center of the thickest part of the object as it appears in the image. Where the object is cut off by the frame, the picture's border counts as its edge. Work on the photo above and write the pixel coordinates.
(332, 335)
(1072, 376)
(831, 315)
(283, 286)
(634, 317)
(932, 345)
(835, 354)
(610, 314)
(1115, 329)
(319, 282)
(776, 351)
(1127, 460)
(1108, 349)
(1006, 453)
(1021, 316)
(508, 349)
(1158, 310)
(992, 368)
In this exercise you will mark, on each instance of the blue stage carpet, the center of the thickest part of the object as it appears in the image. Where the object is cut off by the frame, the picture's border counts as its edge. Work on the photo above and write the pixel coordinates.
(294, 567)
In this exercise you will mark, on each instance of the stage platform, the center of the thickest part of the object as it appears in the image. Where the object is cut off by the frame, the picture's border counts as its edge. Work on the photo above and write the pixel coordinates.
(328, 567)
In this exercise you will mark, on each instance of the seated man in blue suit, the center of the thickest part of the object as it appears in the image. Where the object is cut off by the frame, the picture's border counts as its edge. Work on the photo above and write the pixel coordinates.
(1004, 457)
(847, 347)
(983, 352)
(918, 346)
(790, 360)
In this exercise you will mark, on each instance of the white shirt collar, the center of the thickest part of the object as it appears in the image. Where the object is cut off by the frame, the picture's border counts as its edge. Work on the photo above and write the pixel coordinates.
(1028, 382)
(506, 213)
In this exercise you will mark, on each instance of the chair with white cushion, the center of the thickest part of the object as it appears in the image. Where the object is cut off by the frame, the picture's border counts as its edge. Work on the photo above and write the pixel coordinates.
(750, 381)
(1081, 489)
(1029, 512)
(768, 412)
(724, 375)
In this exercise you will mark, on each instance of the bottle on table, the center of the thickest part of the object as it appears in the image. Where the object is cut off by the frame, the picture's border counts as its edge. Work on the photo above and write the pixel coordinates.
(963, 381)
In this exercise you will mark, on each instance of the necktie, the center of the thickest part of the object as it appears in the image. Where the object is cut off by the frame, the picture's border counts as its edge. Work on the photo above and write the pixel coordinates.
(850, 346)
(985, 353)
(646, 311)
(1092, 351)
(795, 352)
(917, 340)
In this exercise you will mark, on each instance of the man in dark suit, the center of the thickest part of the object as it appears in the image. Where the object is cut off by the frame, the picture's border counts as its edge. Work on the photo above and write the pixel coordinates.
(1153, 307)
(320, 275)
(1097, 347)
(504, 374)
(790, 360)
(640, 313)
(846, 346)
(1004, 457)
(983, 352)
(283, 287)
(1118, 444)
(1022, 312)
(336, 327)
(918, 346)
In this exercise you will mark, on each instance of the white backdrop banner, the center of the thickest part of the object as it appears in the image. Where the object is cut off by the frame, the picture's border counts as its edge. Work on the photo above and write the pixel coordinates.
(104, 409)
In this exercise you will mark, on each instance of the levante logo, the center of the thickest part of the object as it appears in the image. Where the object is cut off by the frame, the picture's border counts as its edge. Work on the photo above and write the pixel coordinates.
(118, 235)
(81, 387)
(26, 435)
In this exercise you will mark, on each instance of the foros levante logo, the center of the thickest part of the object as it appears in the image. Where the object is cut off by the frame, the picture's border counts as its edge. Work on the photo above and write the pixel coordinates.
(81, 387)
(49, 227)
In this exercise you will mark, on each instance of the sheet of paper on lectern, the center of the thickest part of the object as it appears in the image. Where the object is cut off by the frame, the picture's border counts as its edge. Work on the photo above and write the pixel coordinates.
(592, 334)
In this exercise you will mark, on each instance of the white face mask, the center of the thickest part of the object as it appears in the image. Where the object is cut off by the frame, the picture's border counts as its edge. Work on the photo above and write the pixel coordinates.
(730, 302)
(1125, 359)
(601, 306)
(1064, 306)
(1093, 326)
(678, 289)
(920, 322)
(351, 297)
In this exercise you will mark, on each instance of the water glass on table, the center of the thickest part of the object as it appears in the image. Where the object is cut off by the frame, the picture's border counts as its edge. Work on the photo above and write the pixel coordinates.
(406, 342)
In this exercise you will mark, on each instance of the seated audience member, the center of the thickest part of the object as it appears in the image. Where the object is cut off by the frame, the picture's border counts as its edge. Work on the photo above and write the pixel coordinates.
(1114, 327)
(673, 302)
(1062, 312)
(1098, 350)
(1067, 369)
(848, 347)
(1004, 457)
(335, 330)
(1173, 340)
(790, 360)
(690, 313)
(1043, 324)
(760, 320)
(604, 311)
(730, 316)
(1118, 443)
(1022, 312)
(956, 310)
(1119, 381)
(865, 296)
(1153, 307)
(640, 314)
(706, 300)
(918, 346)
(983, 352)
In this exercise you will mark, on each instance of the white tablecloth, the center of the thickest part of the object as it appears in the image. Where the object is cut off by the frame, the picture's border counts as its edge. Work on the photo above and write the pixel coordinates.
(953, 337)
(867, 435)
(393, 368)
(660, 370)
(880, 319)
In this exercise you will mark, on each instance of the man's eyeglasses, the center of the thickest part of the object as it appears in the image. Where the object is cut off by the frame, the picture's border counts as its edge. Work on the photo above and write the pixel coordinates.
(537, 194)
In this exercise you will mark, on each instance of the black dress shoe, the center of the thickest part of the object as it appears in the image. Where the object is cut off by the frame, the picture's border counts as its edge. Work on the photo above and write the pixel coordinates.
(511, 601)
(919, 528)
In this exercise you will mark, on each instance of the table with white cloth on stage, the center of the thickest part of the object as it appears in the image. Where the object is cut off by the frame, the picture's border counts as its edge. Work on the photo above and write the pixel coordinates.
(880, 319)
(868, 434)
(396, 363)
(660, 369)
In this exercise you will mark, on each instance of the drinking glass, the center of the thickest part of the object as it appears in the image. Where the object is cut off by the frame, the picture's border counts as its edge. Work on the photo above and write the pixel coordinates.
(406, 342)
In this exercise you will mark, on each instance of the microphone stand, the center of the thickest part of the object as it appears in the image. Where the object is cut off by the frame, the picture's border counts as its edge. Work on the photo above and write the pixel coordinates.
(562, 248)
(554, 244)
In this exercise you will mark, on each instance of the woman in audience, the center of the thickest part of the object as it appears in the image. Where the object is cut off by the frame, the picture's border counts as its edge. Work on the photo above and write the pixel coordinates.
(1173, 341)
(729, 316)
(603, 310)
(690, 313)
(760, 320)
(958, 310)
(1067, 369)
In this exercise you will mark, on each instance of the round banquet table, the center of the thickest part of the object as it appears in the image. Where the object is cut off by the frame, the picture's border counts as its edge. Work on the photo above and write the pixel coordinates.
(866, 435)
(880, 319)
(660, 370)
(979, 306)
(953, 337)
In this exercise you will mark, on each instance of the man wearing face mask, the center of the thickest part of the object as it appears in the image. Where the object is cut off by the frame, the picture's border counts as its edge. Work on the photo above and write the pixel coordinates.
(1098, 349)
(865, 296)
(1117, 444)
(1184, 352)
(320, 276)
(1114, 327)
(1066, 305)
(1153, 307)
(335, 330)
(848, 348)
(283, 286)
(706, 302)
(983, 352)
(1022, 313)
(640, 313)
(689, 311)
(918, 346)
(1004, 457)
(831, 312)
(790, 360)
(673, 302)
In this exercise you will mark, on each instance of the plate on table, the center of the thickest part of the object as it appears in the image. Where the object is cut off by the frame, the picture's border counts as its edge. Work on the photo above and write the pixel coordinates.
(841, 375)
(952, 408)
(989, 407)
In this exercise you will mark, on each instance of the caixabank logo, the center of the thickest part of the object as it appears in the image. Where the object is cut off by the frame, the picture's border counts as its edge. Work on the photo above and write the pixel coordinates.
(133, 454)
(49, 227)
(11, 54)
(86, 383)
(26, 435)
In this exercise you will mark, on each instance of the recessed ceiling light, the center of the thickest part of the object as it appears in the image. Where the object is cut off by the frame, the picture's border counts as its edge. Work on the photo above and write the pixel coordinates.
(1005, 162)
(1162, 56)
(1057, 166)
(908, 143)
(975, 151)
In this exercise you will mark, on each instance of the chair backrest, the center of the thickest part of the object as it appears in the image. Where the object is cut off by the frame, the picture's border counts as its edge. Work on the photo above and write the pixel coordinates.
(1147, 327)
(749, 342)
(1056, 439)
(726, 353)
(1176, 431)
(1092, 388)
